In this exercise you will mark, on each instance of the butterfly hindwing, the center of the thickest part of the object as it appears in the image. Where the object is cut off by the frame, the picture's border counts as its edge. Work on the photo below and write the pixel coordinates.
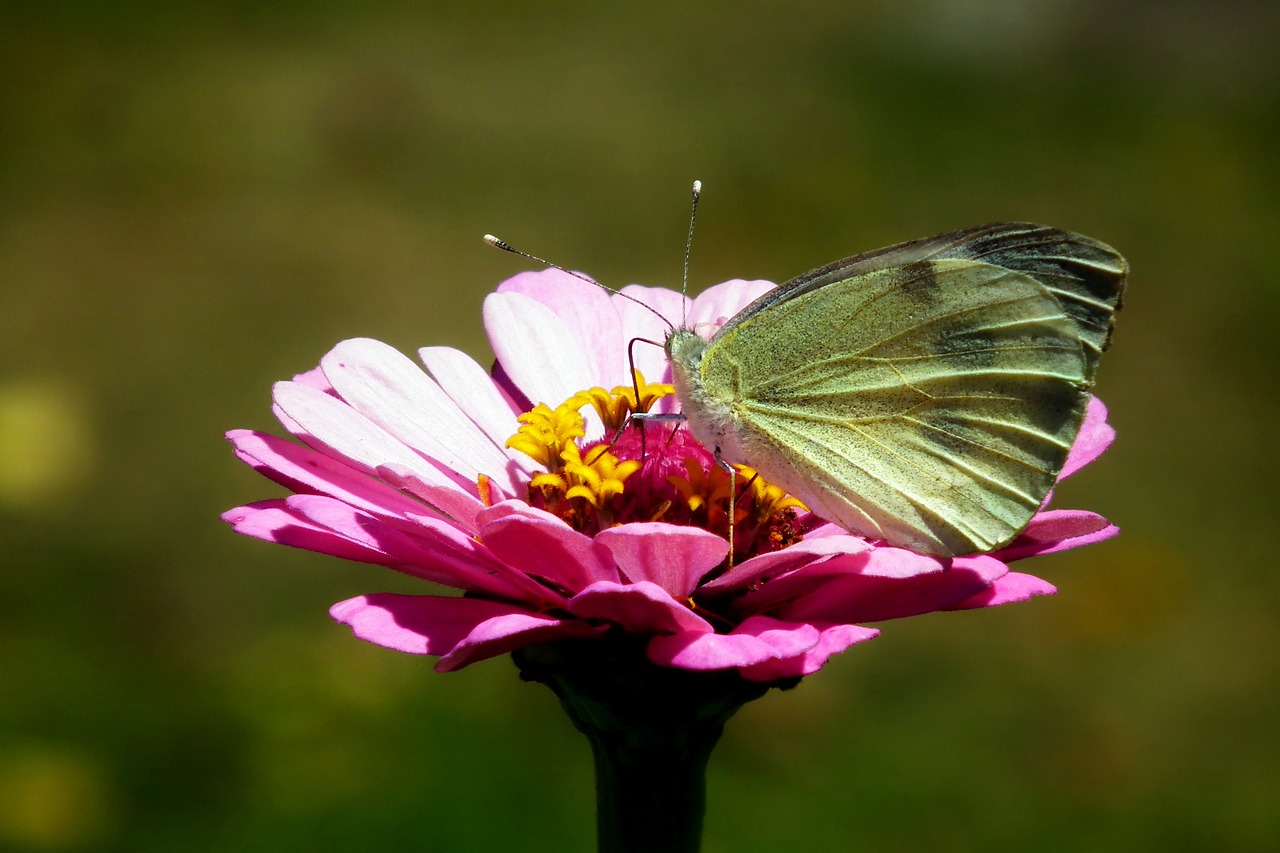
(927, 398)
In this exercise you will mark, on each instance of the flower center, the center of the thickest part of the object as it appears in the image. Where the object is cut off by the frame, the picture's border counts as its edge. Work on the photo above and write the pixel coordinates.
(646, 471)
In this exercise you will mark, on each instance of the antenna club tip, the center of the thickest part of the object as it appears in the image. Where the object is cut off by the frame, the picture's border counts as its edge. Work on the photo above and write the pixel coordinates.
(697, 187)
(496, 242)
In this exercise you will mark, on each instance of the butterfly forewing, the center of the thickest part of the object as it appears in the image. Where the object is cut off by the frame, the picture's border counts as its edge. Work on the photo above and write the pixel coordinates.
(1086, 276)
(924, 397)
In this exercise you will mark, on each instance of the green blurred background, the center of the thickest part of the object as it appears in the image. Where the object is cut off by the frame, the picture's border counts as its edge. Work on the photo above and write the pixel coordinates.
(198, 199)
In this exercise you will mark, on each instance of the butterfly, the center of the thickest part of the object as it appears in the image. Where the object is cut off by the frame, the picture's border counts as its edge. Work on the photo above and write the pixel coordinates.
(925, 394)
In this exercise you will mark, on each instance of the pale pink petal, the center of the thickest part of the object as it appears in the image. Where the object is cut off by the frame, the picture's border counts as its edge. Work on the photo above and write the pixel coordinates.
(1094, 437)
(1011, 588)
(1057, 530)
(274, 521)
(720, 303)
(329, 424)
(777, 563)
(539, 544)
(834, 639)
(675, 558)
(476, 394)
(504, 633)
(417, 624)
(587, 312)
(389, 389)
(900, 563)
(302, 469)
(537, 353)
(757, 639)
(639, 608)
(857, 596)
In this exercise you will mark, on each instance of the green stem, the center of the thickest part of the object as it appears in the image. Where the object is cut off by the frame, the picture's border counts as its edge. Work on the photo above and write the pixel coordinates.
(652, 730)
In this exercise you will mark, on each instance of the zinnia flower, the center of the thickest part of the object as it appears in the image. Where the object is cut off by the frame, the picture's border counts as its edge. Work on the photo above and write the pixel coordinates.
(528, 489)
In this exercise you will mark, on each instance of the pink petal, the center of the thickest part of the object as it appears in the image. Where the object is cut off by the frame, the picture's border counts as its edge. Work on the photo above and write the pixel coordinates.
(315, 378)
(430, 550)
(720, 303)
(814, 579)
(1094, 437)
(273, 521)
(417, 624)
(1057, 530)
(675, 558)
(539, 544)
(538, 354)
(586, 312)
(504, 633)
(302, 469)
(640, 608)
(860, 597)
(1011, 588)
(389, 389)
(639, 323)
(834, 639)
(757, 639)
(437, 498)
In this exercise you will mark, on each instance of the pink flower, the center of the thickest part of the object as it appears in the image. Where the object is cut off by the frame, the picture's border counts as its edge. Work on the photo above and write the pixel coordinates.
(453, 475)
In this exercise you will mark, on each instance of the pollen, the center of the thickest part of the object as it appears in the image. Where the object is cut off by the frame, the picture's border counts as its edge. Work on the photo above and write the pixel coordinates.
(616, 407)
(646, 472)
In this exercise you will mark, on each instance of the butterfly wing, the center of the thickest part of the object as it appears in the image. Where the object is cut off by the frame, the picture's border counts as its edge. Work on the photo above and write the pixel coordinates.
(1087, 277)
(927, 398)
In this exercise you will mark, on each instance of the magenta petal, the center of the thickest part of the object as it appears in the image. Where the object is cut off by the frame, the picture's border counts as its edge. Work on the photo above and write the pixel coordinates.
(813, 584)
(1057, 530)
(778, 563)
(1094, 437)
(640, 608)
(539, 544)
(503, 633)
(860, 597)
(835, 639)
(430, 550)
(1011, 588)
(274, 521)
(675, 558)
(417, 624)
(757, 639)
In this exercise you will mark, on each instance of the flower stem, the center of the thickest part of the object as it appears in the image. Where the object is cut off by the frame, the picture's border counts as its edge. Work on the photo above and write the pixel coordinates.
(652, 730)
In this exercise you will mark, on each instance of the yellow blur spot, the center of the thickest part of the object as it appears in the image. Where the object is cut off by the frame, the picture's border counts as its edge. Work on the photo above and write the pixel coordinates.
(52, 797)
(46, 442)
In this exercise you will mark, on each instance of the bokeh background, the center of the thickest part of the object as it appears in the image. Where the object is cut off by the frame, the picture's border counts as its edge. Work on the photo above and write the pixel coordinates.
(199, 199)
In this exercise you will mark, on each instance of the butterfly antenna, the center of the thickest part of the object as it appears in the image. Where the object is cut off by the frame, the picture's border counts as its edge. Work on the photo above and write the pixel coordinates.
(688, 247)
